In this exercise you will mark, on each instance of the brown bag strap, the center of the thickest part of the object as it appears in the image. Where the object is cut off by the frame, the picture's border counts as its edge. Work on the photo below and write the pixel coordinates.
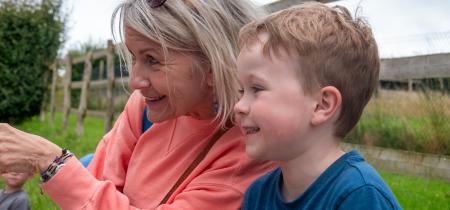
(193, 165)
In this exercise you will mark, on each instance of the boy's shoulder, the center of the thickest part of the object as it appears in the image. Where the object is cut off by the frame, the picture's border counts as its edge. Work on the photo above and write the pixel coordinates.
(355, 172)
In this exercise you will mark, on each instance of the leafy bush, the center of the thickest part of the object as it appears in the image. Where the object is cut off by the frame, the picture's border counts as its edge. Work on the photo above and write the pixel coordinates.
(31, 32)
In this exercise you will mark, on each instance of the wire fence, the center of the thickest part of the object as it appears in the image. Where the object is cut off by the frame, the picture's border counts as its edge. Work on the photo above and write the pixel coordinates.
(414, 45)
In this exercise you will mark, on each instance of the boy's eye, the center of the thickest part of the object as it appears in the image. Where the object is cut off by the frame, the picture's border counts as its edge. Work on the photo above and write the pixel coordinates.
(256, 89)
(133, 57)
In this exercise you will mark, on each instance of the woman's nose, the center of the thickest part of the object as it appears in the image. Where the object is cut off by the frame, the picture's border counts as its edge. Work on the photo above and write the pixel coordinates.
(138, 79)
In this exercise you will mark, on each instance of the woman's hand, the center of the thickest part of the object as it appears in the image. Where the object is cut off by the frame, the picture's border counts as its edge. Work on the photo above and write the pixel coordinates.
(23, 152)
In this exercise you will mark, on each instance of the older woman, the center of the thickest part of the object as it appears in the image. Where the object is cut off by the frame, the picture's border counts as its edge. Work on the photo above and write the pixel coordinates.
(182, 58)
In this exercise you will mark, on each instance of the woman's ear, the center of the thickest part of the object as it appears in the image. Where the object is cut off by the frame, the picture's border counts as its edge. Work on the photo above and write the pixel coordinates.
(329, 101)
(210, 77)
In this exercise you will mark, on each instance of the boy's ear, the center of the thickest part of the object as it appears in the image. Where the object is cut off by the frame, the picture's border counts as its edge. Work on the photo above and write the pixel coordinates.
(329, 101)
(30, 177)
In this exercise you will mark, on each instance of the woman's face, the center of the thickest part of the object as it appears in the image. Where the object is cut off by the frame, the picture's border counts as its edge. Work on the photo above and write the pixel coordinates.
(170, 85)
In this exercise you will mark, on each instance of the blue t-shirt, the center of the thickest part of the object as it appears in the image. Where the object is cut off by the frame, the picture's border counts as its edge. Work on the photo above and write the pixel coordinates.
(349, 183)
(145, 122)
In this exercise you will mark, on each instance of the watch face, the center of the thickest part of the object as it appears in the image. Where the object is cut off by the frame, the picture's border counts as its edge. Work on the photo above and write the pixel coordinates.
(59, 168)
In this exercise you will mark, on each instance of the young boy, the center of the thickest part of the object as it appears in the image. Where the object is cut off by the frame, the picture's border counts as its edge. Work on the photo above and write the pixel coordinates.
(306, 74)
(13, 197)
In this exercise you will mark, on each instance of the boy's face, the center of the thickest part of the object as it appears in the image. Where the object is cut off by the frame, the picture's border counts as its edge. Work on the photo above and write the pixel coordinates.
(274, 113)
(16, 180)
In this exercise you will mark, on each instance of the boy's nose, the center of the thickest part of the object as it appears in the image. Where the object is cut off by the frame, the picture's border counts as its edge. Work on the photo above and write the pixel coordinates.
(241, 108)
(138, 79)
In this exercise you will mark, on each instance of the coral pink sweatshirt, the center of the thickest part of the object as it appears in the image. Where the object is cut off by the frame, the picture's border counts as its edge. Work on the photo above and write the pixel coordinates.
(132, 170)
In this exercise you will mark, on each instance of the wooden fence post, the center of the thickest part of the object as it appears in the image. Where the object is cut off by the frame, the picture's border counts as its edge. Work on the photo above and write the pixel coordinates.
(109, 87)
(87, 73)
(99, 90)
(376, 92)
(441, 83)
(410, 85)
(53, 96)
(67, 91)
(44, 101)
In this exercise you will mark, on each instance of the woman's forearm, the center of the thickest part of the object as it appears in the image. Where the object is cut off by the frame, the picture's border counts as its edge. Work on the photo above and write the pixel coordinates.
(24, 152)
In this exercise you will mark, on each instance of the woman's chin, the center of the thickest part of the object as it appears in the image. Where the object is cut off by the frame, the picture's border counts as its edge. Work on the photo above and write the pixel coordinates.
(159, 116)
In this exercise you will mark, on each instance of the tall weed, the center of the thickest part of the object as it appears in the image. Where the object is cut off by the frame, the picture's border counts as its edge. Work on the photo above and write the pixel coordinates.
(412, 121)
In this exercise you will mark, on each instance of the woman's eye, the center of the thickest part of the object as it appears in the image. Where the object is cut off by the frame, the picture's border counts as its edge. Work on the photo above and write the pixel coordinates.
(153, 60)
(241, 91)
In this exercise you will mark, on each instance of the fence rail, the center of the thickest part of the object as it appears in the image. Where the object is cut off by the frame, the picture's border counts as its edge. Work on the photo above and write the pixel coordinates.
(95, 55)
(98, 83)
(417, 67)
(90, 113)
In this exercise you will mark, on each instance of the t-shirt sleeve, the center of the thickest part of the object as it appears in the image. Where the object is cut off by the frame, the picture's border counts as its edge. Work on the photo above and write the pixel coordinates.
(366, 197)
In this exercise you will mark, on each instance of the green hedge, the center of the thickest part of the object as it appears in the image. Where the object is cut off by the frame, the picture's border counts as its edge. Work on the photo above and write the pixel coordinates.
(31, 32)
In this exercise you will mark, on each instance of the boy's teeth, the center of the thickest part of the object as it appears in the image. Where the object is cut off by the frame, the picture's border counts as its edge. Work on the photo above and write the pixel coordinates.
(154, 99)
(252, 130)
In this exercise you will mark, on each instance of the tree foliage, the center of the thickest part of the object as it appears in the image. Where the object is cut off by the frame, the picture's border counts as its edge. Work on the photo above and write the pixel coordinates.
(31, 32)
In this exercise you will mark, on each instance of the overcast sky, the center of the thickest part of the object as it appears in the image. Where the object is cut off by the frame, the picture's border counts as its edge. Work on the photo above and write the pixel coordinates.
(91, 19)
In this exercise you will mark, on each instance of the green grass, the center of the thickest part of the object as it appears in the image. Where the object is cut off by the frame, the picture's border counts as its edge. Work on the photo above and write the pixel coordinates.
(415, 193)
(411, 192)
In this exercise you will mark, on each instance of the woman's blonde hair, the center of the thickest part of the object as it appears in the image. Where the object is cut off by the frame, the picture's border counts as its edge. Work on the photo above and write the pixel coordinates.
(207, 28)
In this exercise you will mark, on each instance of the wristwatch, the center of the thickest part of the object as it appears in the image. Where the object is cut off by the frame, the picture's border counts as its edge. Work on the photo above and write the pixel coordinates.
(58, 168)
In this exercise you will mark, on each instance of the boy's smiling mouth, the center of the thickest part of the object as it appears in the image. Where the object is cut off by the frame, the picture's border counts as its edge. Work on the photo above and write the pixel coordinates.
(251, 130)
